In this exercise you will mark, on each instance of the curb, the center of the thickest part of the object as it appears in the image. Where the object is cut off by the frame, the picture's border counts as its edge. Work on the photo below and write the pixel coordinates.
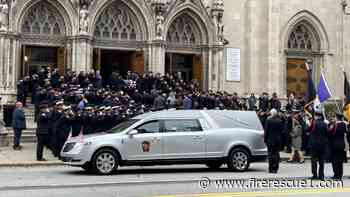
(60, 163)
(31, 164)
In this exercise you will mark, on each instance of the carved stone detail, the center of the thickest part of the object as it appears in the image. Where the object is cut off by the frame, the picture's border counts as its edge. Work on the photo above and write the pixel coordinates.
(117, 22)
(43, 19)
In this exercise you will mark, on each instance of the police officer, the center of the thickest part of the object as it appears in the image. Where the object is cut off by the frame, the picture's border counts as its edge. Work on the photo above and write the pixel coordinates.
(64, 127)
(55, 116)
(337, 145)
(42, 131)
(318, 142)
(273, 136)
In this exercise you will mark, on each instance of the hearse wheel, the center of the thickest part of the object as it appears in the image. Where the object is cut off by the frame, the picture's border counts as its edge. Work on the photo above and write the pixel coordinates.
(238, 160)
(105, 162)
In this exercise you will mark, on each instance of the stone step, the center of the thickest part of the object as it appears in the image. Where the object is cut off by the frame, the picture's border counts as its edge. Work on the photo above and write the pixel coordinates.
(28, 135)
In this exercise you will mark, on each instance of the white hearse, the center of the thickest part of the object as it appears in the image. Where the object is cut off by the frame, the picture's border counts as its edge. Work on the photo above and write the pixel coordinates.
(172, 137)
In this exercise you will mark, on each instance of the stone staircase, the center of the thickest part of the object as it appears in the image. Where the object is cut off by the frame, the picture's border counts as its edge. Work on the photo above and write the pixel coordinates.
(28, 135)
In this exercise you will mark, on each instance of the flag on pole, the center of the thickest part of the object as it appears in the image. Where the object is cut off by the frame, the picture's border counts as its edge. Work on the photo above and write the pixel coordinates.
(323, 91)
(347, 96)
(311, 91)
(346, 88)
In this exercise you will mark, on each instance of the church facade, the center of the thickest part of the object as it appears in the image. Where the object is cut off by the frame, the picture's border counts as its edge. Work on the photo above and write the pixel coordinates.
(244, 46)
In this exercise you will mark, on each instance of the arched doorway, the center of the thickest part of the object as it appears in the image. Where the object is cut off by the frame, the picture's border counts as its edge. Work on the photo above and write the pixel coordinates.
(43, 38)
(183, 54)
(303, 46)
(118, 38)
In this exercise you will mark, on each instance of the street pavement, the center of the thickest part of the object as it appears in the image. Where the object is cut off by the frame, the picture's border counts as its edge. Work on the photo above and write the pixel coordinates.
(159, 181)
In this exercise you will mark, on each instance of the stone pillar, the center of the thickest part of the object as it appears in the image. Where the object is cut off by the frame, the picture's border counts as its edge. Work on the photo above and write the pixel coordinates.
(82, 53)
(158, 57)
(9, 58)
(205, 70)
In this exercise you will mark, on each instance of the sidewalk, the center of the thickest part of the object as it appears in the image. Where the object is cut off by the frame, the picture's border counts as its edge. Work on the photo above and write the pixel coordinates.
(26, 157)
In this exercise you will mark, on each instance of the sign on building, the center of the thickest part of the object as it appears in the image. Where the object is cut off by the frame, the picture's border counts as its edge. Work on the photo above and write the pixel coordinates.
(233, 64)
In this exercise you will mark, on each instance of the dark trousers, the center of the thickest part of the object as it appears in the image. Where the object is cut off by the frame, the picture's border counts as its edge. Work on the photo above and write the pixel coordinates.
(317, 156)
(337, 163)
(41, 143)
(59, 146)
(17, 137)
(274, 158)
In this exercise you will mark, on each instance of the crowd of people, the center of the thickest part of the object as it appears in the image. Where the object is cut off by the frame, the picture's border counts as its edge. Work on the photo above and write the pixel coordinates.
(86, 103)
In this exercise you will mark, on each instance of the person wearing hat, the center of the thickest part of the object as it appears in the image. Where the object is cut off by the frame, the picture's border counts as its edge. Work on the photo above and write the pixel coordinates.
(64, 127)
(55, 116)
(336, 134)
(317, 143)
(272, 138)
(42, 131)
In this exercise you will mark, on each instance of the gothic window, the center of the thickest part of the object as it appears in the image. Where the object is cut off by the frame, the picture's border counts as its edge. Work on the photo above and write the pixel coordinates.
(117, 22)
(300, 39)
(183, 31)
(43, 19)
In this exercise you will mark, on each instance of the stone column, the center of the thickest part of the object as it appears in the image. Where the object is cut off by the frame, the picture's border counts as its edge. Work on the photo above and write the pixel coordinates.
(9, 58)
(205, 69)
(82, 53)
(158, 57)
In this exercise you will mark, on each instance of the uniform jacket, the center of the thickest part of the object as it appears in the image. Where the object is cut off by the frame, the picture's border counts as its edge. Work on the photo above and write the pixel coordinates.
(43, 124)
(318, 135)
(19, 119)
(273, 131)
(337, 136)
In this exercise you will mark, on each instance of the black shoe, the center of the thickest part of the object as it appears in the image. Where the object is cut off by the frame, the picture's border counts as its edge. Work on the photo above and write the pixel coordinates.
(321, 178)
(290, 161)
(314, 178)
(337, 178)
(302, 162)
(43, 159)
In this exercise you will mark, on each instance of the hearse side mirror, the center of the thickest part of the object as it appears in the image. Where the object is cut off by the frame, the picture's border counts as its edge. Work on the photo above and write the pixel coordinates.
(133, 132)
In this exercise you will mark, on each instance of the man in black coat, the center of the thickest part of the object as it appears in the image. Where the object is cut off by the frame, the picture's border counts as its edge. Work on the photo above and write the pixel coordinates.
(64, 127)
(273, 136)
(337, 145)
(55, 116)
(18, 125)
(317, 143)
(42, 131)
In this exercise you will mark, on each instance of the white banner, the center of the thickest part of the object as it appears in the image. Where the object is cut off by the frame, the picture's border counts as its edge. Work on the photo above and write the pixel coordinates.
(233, 64)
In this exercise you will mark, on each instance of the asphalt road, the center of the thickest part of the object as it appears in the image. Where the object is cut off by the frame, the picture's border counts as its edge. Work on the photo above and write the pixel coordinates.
(164, 181)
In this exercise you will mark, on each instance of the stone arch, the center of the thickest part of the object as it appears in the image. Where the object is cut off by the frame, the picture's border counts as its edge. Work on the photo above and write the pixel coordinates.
(311, 24)
(303, 39)
(52, 11)
(184, 30)
(119, 20)
(193, 16)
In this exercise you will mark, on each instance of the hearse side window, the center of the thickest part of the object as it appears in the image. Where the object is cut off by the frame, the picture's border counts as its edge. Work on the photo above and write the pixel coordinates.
(182, 126)
(149, 127)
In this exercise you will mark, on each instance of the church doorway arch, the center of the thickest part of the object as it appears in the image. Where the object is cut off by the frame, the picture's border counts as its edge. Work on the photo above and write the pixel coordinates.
(303, 46)
(43, 33)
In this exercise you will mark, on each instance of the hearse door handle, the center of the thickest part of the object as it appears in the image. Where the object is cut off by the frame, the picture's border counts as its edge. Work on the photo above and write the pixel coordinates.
(197, 138)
